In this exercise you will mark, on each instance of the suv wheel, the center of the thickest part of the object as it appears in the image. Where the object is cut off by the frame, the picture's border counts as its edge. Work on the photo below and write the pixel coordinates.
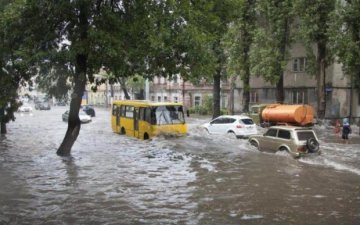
(255, 144)
(232, 134)
(312, 145)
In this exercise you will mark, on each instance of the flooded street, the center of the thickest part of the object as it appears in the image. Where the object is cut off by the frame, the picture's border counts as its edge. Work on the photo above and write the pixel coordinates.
(198, 179)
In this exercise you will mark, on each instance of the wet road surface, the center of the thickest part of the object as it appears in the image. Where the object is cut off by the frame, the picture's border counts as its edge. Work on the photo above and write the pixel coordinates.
(197, 179)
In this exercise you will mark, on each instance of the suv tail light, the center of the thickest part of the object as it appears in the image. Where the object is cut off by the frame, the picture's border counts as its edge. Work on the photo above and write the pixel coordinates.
(239, 126)
(301, 149)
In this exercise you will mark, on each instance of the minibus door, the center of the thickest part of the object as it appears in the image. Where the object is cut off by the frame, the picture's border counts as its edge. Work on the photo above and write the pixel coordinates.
(136, 122)
(118, 119)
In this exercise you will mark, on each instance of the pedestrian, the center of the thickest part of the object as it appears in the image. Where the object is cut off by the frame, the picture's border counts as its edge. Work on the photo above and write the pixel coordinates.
(337, 128)
(346, 130)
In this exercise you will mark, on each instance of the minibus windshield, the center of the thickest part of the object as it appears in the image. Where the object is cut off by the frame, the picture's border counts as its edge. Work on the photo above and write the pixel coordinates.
(170, 114)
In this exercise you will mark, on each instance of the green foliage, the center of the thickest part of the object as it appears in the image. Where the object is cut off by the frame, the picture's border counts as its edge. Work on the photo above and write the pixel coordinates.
(345, 37)
(136, 83)
(206, 108)
(269, 54)
(15, 65)
(239, 38)
(313, 28)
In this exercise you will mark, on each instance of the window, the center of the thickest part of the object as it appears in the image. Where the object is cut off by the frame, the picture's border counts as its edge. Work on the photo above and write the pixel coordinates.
(305, 135)
(219, 121)
(153, 98)
(175, 99)
(159, 98)
(299, 64)
(271, 133)
(253, 97)
(165, 98)
(115, 109)
(129, 112)
(299, 97)
(247, 121)
(230, 120)
(148, 115)
(197, 100)
(142, 113)
(285, 134)
(175, 79)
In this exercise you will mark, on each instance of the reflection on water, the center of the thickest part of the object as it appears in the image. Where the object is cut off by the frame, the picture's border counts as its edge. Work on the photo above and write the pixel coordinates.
(198, 179)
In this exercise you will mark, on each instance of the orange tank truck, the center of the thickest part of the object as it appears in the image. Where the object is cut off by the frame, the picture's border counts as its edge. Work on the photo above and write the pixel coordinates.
(302, 115)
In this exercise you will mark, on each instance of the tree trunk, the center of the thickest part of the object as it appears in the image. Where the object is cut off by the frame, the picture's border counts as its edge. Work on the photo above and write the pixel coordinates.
(216, 94)
(74, 123)
(321, 80)
(280, 93)
(231, 99)
(280, 90)
(2, 122)
(246, 80)
(123, 87)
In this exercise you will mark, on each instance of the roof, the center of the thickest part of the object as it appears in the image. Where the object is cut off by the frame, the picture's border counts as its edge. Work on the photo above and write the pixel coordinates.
(236, 116)
(291, 127)
(144, 103)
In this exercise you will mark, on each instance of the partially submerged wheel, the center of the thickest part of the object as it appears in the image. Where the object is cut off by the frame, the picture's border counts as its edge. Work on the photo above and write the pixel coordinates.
(231, 134)
(146, 136)
(313, 145)
(255, 144)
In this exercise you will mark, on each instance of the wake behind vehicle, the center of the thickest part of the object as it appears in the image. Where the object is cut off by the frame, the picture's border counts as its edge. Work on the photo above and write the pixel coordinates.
(146, 119)
(298, 141)
(238, 125)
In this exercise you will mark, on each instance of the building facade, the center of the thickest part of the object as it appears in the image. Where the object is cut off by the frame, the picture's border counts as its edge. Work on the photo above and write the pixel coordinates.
(342, 98)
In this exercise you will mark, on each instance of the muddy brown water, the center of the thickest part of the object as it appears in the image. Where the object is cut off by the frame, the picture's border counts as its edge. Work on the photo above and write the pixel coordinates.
(197, 179)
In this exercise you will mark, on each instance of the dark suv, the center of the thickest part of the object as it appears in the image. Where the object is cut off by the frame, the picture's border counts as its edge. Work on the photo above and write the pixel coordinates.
(89, 109)
(298, 141)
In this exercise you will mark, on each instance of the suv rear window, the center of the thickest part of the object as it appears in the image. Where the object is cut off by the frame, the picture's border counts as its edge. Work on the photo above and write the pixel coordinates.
(305, 135)
(247, 121)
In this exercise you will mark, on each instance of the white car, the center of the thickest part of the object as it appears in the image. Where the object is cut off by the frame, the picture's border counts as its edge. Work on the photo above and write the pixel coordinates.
(25, 108)
(84, 118)
(238, 125)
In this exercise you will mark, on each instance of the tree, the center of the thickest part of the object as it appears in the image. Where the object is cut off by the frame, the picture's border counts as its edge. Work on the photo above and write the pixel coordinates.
(314, 17)
(213, 19)
(238, 42)
(15, 66)
(345, 38)
(269, 54)
(73, 40)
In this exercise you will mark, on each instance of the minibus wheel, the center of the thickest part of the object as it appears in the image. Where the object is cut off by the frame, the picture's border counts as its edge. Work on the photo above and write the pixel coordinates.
(146, 136)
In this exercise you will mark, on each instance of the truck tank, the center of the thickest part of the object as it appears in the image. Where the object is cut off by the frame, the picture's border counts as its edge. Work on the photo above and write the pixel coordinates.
(294, 114)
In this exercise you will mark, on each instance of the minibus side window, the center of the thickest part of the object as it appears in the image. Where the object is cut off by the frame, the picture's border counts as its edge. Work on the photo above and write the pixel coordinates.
(142, 113)
(122, 110)
(114, 110)
(129, 111)
(148, 115)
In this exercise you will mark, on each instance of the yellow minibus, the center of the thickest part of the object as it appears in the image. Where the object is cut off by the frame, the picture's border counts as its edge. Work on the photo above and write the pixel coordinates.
(146, 119)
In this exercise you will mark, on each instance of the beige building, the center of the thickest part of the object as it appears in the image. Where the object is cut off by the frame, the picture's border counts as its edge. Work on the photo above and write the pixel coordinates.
(342, 99)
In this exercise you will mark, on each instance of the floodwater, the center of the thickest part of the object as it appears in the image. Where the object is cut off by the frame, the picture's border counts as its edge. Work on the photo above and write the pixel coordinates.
(197, 179)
